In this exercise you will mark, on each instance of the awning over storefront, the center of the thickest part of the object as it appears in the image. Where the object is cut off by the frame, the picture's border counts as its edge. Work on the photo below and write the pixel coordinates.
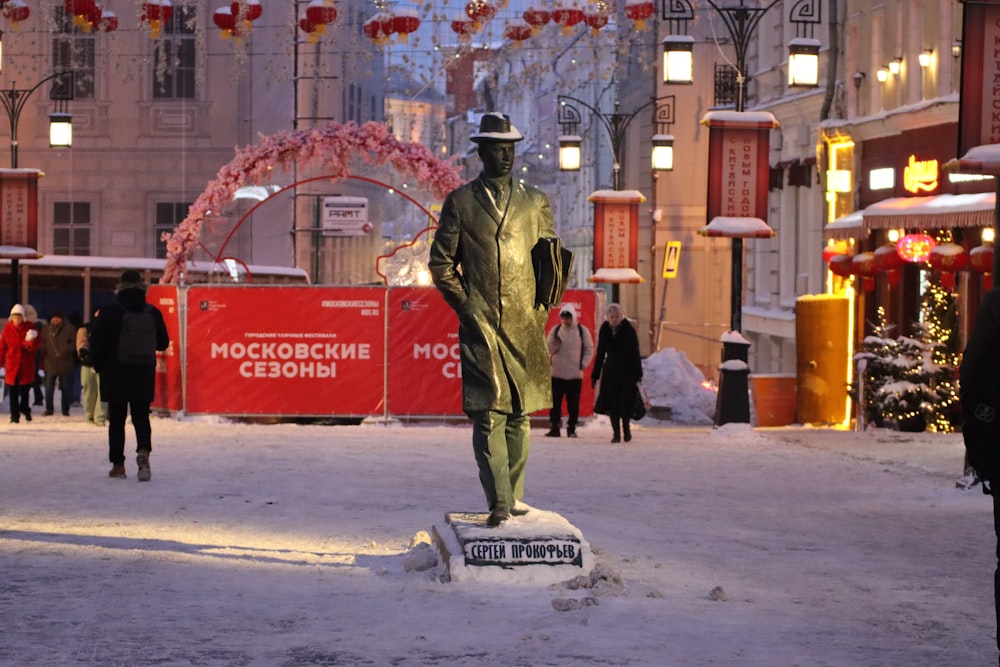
(938, 212)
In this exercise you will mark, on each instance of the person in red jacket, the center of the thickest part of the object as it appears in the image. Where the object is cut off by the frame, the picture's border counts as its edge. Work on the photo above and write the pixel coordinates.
(18, 342)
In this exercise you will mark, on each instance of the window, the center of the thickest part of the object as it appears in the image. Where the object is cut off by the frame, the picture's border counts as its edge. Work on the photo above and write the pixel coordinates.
(174, 57)
(71, 228)
(73, 50)
(168, 216)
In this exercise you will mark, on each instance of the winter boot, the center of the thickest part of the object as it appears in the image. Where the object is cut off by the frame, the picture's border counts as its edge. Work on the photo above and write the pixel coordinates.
(554, 431)
(626, 430)
(616, 435)
(142, 458)
(570, 431)
(117, 471)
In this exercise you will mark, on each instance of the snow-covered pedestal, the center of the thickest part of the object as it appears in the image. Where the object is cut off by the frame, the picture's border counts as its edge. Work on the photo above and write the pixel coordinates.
(539, 547)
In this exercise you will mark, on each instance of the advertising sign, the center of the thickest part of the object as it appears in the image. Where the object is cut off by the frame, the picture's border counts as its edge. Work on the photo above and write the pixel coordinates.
(19, 207)
(616, 228)
(169, 391)
(739, 172)
(345, 216)
(310, 351)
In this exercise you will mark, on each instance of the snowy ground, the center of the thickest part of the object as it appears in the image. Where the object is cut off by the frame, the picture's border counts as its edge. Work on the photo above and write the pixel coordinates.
(289, 545)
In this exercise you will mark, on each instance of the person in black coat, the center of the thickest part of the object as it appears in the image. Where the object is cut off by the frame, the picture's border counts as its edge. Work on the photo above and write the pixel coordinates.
(618, 366)
(979, 394)
(126, 387)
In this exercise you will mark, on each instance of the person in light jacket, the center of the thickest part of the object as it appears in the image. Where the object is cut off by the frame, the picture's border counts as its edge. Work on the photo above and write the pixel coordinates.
(480, 261)
(618, 367)
(571, 349)
(93, 407)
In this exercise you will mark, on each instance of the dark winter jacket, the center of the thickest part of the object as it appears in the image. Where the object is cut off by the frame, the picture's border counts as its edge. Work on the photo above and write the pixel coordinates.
(481, 262)
(118, 381)
(618, 365)
(979, 390)
(58, 348)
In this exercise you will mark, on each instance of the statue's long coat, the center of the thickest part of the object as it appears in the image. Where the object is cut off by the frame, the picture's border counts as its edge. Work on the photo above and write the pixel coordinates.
(481, 262)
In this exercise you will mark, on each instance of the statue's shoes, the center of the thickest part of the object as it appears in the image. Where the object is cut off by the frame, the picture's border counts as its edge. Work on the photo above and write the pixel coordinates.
(520, 509)
(497, 517)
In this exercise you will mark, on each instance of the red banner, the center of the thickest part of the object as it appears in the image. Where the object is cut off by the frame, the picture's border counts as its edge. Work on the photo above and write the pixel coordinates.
(19, 207)
(169, 390)
(738, 172)
(979, 109)
(424, 372)
(616, 228)
(310, 351)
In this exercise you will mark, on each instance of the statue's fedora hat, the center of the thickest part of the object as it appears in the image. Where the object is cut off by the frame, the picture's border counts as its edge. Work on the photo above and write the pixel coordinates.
(495, 126)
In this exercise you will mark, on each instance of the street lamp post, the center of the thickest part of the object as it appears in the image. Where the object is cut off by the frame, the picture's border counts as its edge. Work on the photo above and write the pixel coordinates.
(60, 134)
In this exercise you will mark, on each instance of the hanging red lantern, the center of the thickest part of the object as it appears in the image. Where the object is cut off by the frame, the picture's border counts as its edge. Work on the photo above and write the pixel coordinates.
(595, 20)
(246, 10)
(915, 248)
(226, 22)
(887, 259)
(834, 248)
(517, 31)
(863, 264)
(480, 11)
(948, 258)
(639, 11)
(405, 21)
(92, 18)
(841, 265)
(16, 11)
(109, 21)
(322, 13)
(981, 259)
(79, 10)
(567, 17)
(378, 28)
(155, 13)
(310, 29)
(464, 27)
(536, 18)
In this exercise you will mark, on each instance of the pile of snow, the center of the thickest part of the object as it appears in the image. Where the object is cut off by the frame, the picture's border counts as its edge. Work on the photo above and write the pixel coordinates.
(671, 380)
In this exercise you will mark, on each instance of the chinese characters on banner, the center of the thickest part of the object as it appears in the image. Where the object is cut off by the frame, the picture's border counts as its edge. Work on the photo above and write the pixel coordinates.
(616, 228)
(738, 172)
(19, 207)
(979, 111)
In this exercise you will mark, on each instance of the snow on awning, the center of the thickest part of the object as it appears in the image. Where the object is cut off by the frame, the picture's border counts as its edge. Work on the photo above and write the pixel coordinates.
(18, 252)
(847, 227)
(606, 275)
(731, 227)
(938, 212)
(977, 160)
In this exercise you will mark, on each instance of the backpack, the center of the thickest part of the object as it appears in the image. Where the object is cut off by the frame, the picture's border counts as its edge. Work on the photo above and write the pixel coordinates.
(137, 340)
(579, 327)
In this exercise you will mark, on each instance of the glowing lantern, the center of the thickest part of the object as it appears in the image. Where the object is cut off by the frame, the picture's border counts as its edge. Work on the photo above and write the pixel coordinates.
(517, 31)
(378, 28)
(80, 10)
(841, 265)
(567, 17)
(92, 18)
(948, 258)
(981, 261)
(886, 258)
(155, 13)
(226, 22)
(464, 27)
(16, 11)
(536, 18)
(405, 21)
(915, 248)
(247, 10)
(639, 11)
(321, 13)
(863, 264)
(596, 20)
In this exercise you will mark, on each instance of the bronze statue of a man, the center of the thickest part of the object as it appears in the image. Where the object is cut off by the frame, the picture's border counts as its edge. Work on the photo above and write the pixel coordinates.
(481, 262)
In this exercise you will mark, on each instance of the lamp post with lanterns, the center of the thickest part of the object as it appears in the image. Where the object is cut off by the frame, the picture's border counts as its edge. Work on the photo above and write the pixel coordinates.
(741, 21)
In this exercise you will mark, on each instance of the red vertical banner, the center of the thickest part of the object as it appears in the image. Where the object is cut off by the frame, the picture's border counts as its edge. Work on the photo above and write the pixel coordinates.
(169, 390)
(738, 168)
(616, 228)
(306, 351)
(19, 207)
(424, 375)
(979, 104)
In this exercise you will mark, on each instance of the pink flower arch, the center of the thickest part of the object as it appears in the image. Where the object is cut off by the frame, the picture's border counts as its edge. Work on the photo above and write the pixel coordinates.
(330, 148)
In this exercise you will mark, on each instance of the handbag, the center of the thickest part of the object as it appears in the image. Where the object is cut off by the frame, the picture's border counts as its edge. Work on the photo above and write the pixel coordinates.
(640, 405)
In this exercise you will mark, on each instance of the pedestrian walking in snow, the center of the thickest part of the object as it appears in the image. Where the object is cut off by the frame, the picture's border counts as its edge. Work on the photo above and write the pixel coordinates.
(18, 342)
(571, 349)
(126, 336)
(618, 367)
(58, 360)
(94, 408)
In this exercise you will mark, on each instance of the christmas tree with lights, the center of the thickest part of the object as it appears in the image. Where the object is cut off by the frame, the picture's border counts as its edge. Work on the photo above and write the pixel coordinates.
(938, 331)
(876, 358)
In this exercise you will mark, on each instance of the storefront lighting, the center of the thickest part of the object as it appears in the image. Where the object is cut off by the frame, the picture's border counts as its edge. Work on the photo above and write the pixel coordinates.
(956, 48)
(882, 74)
(988, 234)
(894, 235)
(926, 57)
(883, 178)
(895, 65)
(838, 180)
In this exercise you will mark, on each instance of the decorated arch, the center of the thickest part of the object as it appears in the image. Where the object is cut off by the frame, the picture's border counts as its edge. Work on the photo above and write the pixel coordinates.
(333, 148)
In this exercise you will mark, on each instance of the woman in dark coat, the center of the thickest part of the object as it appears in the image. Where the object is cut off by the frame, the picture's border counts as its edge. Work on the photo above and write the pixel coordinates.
(618, 366)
